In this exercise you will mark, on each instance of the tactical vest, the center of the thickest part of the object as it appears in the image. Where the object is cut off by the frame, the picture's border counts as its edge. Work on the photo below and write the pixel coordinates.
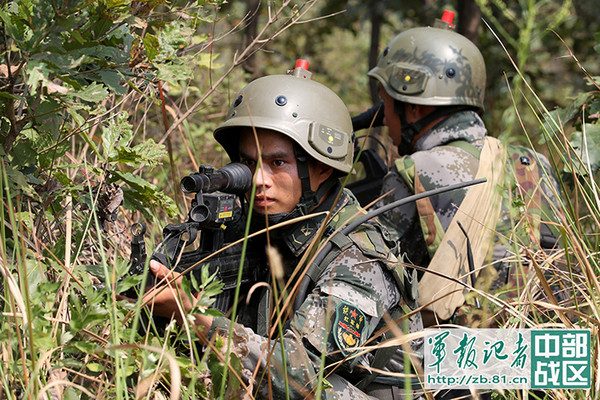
(371, 238)
(374, 241)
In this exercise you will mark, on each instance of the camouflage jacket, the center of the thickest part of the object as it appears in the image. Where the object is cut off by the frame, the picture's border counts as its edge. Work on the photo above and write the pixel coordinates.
(342, 310)
(438, 161)
(437, 164)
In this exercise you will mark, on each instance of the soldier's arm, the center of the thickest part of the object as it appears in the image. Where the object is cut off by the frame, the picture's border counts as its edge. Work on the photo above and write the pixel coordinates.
(168, 300)
(340, 314)
(398, 219)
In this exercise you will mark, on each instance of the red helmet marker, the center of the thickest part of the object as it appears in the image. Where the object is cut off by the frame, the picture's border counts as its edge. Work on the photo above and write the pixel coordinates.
(446, 22)
(301, 69)
(448, 17)
(302, 64)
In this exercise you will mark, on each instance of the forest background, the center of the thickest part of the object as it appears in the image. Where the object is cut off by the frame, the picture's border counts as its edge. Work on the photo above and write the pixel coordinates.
(107, 104)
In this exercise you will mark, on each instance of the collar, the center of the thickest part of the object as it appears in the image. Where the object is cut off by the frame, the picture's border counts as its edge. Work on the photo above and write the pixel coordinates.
(464, 125)
(298, 237)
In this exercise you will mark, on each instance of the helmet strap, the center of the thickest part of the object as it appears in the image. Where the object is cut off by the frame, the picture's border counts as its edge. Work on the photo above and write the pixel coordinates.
(308, 199)
(411, 130)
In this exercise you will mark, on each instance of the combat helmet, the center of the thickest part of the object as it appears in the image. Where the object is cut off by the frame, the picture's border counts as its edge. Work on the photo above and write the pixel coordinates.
(433, 66)
(307, 112)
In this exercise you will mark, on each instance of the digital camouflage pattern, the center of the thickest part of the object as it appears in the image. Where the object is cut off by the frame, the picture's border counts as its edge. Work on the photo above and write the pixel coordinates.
(357, 282)
(438, 162)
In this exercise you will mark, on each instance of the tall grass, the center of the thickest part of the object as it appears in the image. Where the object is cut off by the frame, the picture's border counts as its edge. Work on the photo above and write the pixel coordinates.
(561, 289)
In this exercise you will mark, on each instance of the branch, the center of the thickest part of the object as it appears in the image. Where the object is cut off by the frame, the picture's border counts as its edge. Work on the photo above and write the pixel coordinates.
(257, 44)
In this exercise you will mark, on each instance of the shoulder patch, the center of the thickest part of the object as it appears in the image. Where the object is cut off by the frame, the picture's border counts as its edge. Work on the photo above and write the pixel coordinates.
(349, 326)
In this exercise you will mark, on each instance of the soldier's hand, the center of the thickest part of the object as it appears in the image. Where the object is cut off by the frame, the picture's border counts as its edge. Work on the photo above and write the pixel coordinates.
(168, 299)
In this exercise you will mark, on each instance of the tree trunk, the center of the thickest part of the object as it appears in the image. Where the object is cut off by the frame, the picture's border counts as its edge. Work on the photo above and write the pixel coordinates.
(469, 19)
(376, 22)
(250, 32)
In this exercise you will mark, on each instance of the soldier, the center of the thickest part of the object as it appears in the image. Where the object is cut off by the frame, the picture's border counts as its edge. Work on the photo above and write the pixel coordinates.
(432, 83)
(296, 137)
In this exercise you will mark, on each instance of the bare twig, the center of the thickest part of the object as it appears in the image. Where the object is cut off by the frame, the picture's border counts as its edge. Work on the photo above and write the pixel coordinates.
(257, 44)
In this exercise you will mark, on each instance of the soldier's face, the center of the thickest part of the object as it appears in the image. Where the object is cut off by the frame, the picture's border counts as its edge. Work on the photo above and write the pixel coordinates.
(390, 118)
(278, 187)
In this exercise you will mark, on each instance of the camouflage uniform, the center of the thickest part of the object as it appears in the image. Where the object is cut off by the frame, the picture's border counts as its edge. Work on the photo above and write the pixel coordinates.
(438, 162)
(432, 75)
(355, 289)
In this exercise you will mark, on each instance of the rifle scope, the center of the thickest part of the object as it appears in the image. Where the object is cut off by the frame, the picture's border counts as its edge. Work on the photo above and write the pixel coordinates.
(235, 178)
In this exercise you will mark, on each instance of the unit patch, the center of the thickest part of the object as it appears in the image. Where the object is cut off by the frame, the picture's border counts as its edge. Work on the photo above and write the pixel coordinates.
(348, 328)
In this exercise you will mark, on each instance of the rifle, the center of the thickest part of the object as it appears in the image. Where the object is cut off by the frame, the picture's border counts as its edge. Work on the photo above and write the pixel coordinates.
(213, 206)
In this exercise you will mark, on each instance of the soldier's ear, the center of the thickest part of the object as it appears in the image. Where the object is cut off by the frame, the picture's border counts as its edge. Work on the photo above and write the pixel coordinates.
(321, 172)
(325, 170)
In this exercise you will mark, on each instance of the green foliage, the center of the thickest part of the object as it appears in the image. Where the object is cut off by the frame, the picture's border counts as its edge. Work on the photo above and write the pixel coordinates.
(64, 59)
(94, 98)
(74, 75)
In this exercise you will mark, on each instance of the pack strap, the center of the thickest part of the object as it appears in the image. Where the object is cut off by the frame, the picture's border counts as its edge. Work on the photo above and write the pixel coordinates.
(340, 242)
(466, 146)
(432, 229)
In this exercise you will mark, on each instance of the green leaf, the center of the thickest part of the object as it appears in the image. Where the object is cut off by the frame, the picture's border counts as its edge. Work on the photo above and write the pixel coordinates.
(211, 312)
(64, 337)
(17, 180)
(173, 73)
(43, 340)
(94, 92)
(151, 44)
(129, 282)
(81, 317)
(6, 95)
(174, 37)
(77, 117)
(77, 36)
(86, 347)
(36, 72)
(145, 192)
(207, 60)
(588, 151)
(553, 120)
(117, 134)
(148, 152)
(90, 142)
(24, 154)
(94, 367)
(113, 79)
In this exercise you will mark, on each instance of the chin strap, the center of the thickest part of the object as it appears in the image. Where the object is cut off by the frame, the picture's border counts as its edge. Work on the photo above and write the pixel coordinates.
(410, 130)
(309, 198)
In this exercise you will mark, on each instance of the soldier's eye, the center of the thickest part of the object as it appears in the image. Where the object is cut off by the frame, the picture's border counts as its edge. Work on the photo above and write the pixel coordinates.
(248, 162)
